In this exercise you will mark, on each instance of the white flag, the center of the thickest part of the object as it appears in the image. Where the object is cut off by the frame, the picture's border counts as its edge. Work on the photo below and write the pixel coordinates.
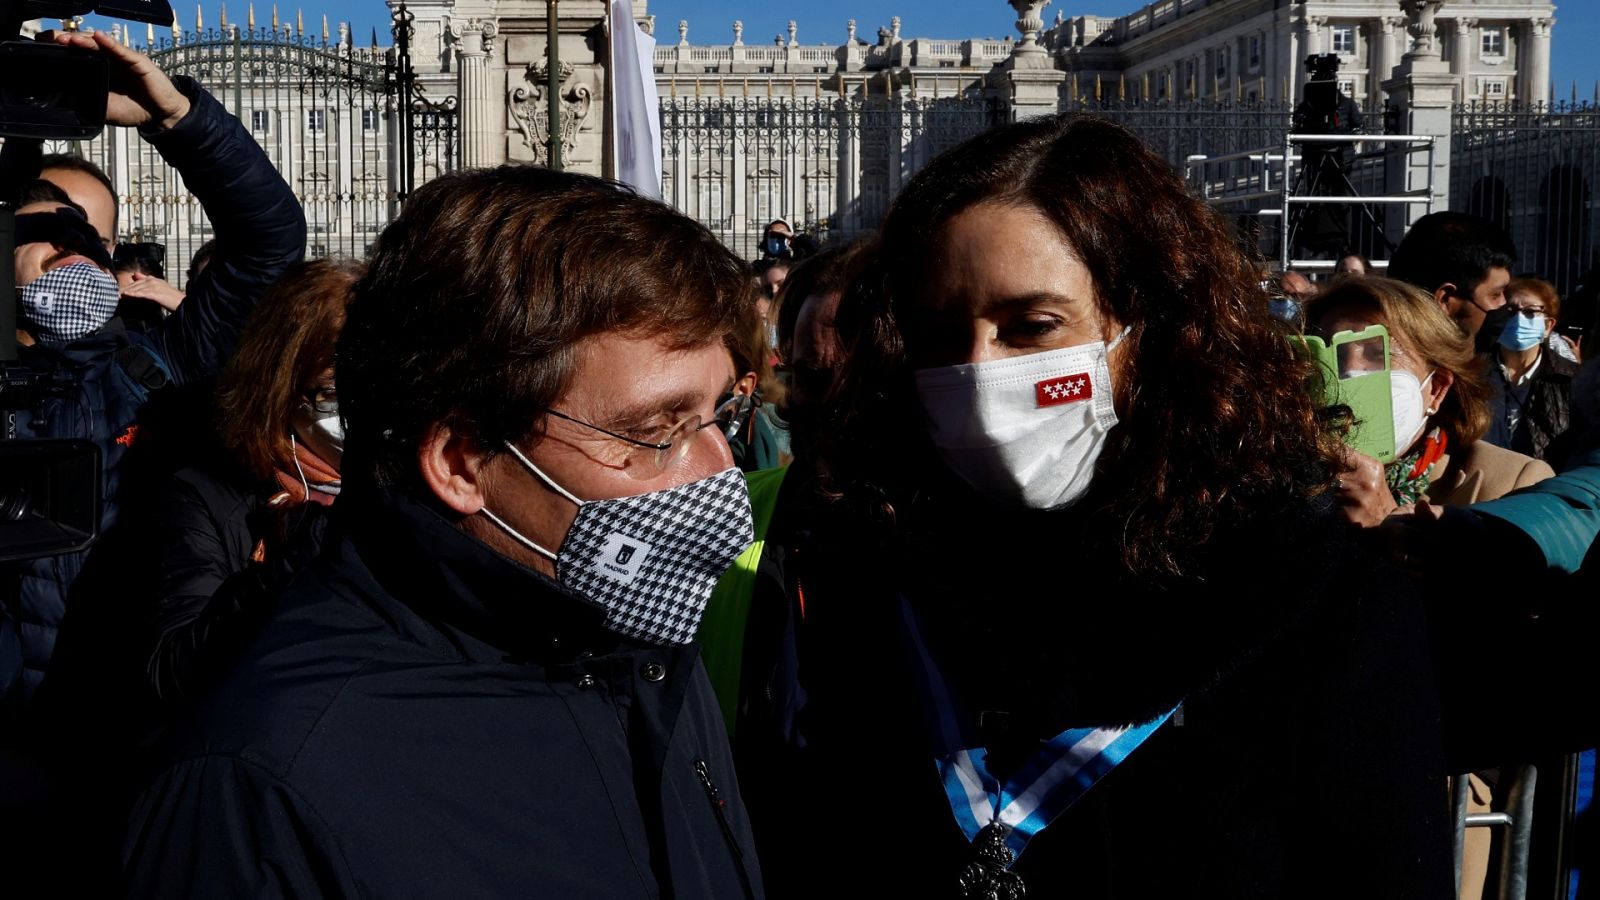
(635, 105)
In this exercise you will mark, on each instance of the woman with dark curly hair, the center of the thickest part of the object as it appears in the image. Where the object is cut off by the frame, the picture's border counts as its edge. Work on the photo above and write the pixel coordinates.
(1082, 619)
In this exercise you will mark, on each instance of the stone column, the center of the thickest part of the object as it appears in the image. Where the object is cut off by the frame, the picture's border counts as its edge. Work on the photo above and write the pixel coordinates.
(1537, 63)
(1318, 39)
(473, 39)
(1424, 91)
(1461, 53)
(1383, 51)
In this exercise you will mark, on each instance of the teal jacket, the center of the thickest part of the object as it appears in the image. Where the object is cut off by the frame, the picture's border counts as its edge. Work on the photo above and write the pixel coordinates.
(1560, 514)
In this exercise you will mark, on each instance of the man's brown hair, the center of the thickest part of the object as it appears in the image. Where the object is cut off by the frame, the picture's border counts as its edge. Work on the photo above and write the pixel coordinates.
(476, 296)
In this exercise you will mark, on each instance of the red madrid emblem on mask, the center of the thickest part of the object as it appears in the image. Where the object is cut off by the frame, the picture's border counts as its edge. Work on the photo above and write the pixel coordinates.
(1066, 389)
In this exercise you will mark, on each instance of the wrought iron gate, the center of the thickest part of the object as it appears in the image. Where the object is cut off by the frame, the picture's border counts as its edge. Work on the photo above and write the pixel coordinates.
(346, 126)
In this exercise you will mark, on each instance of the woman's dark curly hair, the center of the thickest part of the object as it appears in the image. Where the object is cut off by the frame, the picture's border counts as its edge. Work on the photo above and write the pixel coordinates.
(1218, 414)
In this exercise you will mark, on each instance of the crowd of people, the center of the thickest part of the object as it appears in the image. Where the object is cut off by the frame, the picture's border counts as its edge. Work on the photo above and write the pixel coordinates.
(1039, 544)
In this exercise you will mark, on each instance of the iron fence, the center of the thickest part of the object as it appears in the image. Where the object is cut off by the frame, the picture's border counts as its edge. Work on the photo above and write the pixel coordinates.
(827, 164)
(1532, 170)
(346, 127)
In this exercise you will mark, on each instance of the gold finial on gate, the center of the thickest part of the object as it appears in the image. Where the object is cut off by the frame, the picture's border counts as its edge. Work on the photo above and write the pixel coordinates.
(324, 28)
(250, 17)
(299, 23)
(199, 21)
(149, 36)
(222, 18)
(1097, 87)
(274, 18)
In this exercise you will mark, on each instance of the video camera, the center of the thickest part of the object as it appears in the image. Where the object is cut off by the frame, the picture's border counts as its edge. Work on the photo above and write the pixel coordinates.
(50, 92)
(1320, 113)
(49, 489)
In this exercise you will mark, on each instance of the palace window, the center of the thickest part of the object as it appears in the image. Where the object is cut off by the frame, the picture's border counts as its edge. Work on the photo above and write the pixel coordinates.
(316, 120)
(1344, 40)
(261, 121)
(1492, 40)
(1255, 52)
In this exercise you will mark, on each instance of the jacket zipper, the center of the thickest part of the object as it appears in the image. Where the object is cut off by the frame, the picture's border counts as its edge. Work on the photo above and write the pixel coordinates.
(719, 808)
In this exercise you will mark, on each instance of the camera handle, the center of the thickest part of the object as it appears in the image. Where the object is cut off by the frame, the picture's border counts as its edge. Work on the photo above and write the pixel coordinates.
(19, 164)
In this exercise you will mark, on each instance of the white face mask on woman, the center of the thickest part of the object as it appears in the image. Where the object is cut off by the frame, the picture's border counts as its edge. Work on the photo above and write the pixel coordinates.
(1024, 431)
(1410, 413)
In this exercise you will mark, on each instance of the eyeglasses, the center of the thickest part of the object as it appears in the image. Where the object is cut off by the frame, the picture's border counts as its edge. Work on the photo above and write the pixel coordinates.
(324, 399)
(668, 447)
(1528, 312)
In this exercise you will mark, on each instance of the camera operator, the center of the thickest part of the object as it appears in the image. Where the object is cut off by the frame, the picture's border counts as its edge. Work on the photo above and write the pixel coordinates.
(260, 231)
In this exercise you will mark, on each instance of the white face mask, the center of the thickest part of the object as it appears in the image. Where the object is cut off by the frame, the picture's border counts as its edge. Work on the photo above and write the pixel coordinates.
(321, 431)
(1410, 413)
(1024, 431)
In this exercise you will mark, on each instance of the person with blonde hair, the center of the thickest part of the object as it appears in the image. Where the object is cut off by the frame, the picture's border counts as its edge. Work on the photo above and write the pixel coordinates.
(1441, 401)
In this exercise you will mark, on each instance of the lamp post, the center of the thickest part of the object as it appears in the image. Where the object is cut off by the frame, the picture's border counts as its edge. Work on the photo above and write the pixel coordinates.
(553, 89)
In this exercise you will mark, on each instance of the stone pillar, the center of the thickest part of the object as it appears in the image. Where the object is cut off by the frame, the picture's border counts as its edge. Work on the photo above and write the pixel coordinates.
(1537, 63)
(1318, 37)
(1424, 90)
(1029, 79)
(479, 132)
(1384, 55)
(1461, 52)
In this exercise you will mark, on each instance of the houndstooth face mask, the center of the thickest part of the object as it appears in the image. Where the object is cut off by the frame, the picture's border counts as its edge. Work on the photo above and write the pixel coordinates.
(69, 302)
(653, 559)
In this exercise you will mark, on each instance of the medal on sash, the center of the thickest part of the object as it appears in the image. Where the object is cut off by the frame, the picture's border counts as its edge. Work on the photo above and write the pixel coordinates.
(1000, 818)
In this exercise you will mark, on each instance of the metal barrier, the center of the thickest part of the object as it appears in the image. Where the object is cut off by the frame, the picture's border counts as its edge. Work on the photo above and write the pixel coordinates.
(1265, 183)
(1516, 849)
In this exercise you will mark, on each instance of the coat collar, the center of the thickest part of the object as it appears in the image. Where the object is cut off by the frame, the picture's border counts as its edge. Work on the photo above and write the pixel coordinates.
(491, 607)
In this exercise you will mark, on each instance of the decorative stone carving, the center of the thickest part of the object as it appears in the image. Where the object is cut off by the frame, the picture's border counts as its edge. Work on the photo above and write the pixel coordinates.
(894, 29)
(1422, 26)
(794, 30)
(683, 32)
(529, 107)
(738, 33)
(1030, 21)
(850, 31)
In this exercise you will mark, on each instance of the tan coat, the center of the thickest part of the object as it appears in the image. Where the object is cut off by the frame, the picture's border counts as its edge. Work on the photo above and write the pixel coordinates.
(1483, 472)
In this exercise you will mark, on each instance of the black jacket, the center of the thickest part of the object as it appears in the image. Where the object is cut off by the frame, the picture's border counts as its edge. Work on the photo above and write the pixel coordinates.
(422, 717)
(1307, 760)
(1543, 409)
(260, 231)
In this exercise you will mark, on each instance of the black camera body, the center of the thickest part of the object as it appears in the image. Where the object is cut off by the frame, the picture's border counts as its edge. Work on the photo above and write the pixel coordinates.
(1319, 114)
(50, 92)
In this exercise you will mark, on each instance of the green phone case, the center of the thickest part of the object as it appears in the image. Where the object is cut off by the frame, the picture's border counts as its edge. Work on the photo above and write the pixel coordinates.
(1367, 394)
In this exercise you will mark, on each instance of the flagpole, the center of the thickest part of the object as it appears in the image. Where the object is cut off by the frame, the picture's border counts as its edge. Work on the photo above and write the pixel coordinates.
(553, 89)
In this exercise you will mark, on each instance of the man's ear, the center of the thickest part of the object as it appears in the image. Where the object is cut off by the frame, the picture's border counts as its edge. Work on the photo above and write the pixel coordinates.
(453, 465)
(746, 385)
(1443, 293)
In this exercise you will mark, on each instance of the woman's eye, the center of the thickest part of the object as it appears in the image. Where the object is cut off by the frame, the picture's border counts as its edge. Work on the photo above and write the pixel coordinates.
(1032, 328)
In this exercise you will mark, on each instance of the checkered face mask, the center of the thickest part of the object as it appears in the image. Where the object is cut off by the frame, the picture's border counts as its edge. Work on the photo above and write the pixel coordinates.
(653, 559)
(69, 302)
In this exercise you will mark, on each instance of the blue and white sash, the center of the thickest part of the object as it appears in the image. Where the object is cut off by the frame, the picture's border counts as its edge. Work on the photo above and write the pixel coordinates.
(1053, 779)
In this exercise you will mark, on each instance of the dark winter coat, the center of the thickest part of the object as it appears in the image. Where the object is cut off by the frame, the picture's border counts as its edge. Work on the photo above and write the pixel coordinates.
(422, 717)
(1542, 409)
(1306, 762)
(260, 231)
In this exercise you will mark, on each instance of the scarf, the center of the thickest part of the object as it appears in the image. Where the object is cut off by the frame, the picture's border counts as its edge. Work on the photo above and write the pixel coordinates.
(1408, 476)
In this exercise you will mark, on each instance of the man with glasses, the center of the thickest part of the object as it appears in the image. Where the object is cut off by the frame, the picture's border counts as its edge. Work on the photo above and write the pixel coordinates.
(1465, 262)
(486, 685)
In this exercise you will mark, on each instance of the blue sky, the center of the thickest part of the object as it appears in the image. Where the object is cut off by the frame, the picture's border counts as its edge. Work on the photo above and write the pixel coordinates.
(1577, 30)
